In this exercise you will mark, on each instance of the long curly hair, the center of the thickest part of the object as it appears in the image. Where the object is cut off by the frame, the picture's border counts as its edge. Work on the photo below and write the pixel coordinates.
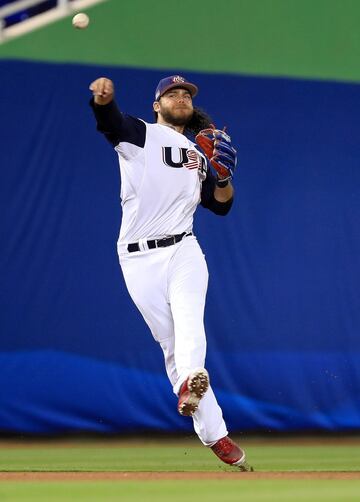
(200, 120)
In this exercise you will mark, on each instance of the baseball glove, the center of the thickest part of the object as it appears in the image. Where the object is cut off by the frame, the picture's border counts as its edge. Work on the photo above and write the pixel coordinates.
(216, 145)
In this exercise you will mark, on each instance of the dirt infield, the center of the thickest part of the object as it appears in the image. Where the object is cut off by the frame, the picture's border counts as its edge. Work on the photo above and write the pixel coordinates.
(155, 476)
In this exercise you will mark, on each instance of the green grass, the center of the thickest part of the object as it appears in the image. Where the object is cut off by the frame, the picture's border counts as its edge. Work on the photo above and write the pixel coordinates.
(186, 456)
(181, 491)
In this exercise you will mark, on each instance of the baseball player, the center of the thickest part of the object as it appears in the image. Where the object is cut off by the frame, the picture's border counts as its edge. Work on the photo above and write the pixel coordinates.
(164, 176)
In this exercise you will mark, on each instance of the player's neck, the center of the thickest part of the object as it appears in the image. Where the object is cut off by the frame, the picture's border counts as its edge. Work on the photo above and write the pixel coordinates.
(178, 128)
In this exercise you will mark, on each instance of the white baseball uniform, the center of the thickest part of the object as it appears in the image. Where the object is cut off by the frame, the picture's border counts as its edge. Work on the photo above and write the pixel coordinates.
(163, 179)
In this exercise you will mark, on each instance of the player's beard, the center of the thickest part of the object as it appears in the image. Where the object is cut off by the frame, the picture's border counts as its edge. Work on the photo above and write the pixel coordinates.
(177, 119)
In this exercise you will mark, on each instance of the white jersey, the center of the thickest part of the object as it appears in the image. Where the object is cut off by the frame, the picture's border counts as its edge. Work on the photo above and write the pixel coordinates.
(160, 184)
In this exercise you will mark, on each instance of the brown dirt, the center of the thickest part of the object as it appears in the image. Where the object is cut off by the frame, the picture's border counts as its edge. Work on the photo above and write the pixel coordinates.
(154, 476)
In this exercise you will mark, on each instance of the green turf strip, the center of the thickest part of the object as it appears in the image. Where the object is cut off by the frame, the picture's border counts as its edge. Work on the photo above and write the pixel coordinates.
(301, 38)
(184, 491)
(189, 457)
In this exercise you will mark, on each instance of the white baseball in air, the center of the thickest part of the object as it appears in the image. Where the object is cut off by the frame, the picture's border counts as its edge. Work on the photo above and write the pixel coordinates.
(81, 21)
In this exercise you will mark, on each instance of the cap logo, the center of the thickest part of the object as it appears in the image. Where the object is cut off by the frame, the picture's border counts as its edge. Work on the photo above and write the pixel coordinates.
(178, 79)
(174, 81)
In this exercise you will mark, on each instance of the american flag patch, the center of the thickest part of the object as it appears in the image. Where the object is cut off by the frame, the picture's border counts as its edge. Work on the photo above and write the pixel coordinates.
(194, 160)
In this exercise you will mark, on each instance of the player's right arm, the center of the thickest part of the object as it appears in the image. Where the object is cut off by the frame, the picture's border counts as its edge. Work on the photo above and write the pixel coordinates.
(116, 126)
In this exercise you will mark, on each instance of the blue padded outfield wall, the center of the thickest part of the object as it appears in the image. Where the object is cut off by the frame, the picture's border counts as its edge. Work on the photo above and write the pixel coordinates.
(283, 309)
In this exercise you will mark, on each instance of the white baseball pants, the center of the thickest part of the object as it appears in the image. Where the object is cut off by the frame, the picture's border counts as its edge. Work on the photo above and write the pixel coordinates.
(168, 285)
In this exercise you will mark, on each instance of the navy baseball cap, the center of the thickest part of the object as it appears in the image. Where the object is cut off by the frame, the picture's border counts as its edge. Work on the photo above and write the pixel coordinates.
(174, 81)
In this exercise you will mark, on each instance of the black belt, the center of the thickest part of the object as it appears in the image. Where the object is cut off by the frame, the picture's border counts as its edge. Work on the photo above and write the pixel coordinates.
(159, 243)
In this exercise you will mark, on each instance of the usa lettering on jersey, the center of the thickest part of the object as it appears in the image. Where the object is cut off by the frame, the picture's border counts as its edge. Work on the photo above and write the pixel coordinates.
(189, 158)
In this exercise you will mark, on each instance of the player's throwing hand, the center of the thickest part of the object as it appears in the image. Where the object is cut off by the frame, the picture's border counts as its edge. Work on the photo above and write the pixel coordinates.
(103, 90)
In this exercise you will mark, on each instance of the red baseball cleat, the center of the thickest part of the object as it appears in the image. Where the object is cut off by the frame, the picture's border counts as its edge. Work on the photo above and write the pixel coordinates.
(192, 390)
(230, 453)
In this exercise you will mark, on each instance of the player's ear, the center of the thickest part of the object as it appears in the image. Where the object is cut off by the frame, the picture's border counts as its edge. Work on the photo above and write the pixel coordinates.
(156, 106)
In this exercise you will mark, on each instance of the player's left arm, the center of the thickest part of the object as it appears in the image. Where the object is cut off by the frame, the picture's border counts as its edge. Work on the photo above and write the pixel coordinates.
(218, 200)
(223, 193)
